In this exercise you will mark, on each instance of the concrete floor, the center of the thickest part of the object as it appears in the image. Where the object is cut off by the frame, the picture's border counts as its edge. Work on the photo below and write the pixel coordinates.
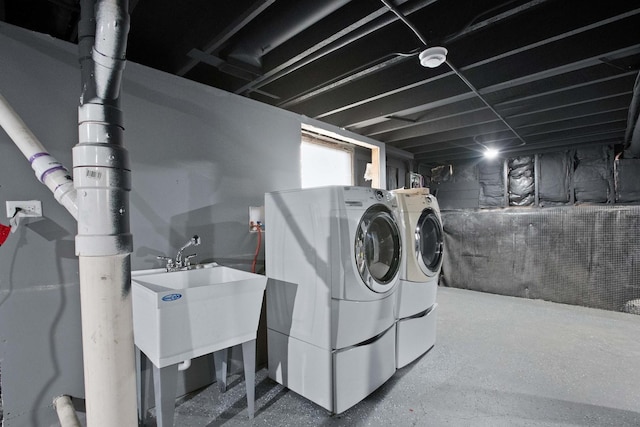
(498, 361)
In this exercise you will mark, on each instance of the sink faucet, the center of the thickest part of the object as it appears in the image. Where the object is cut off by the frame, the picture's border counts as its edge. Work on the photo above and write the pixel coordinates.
(194, 241)
(178, 263)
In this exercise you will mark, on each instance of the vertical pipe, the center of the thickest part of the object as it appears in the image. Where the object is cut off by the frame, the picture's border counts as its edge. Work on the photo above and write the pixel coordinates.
(572, 184)
(632, 133)
(536, 178)
(107, 337)
(505, 178)
(103, 243)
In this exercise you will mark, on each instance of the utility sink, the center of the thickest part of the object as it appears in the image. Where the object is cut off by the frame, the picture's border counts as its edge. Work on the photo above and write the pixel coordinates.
(184, 314)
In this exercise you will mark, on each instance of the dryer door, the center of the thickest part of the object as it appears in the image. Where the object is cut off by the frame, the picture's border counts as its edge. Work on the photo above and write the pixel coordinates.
(429, 241)
(378, 248)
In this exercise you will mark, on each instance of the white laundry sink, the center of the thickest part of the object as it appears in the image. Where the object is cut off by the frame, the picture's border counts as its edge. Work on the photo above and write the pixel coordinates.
(180, 315)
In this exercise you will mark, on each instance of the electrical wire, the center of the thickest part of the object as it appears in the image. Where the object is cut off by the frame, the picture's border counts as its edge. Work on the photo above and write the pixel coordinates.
(4, 233)
(457, 72)
(401, 16)
(481, 98)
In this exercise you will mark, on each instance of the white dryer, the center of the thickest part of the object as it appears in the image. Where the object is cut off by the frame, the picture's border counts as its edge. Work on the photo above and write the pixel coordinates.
(333, 258)
(419, 216)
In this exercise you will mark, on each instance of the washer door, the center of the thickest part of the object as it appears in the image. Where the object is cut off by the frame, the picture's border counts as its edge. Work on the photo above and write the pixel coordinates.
(378, 248)
(429, 241)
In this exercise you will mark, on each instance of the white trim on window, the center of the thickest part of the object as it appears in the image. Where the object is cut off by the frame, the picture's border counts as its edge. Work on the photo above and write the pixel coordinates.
(377, 150)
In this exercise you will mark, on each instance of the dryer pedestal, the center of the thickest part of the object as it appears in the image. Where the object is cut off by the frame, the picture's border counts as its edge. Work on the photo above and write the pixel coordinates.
(418, 286)
(416, 320)
(415, 336)
(415, 297)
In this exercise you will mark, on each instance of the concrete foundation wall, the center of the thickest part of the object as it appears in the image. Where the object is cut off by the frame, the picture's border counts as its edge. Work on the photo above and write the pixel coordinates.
(586, 255)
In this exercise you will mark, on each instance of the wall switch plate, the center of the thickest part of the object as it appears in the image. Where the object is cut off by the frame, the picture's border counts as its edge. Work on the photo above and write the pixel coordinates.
(28, 208)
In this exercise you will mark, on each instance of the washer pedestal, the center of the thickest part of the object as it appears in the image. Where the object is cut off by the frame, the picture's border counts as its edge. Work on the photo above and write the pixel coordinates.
(335, 380)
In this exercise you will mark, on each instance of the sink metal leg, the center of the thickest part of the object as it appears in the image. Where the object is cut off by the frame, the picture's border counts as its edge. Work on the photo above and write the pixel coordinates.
(220, 363)
(249, 360)
(143, 383)
(164, 384)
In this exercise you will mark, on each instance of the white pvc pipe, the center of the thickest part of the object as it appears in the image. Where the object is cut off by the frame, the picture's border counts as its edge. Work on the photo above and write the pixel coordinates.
(18, 130)
(66, 412)
(47, 169)
(184, 365)
(107, 337)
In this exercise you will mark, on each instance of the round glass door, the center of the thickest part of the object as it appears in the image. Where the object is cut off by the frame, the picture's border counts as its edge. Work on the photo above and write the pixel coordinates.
(378, 248)
(429, 241)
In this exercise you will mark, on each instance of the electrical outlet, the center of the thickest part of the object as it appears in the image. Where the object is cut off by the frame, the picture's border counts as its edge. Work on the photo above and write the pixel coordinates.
(256, 218)
(32, 208)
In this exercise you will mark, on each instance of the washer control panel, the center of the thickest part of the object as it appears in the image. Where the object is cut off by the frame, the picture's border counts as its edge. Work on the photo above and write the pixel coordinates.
(360, 196)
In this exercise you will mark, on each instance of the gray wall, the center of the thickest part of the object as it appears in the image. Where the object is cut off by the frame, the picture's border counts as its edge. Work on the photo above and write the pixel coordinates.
(397, 170)
(200, 157)
(40, 340)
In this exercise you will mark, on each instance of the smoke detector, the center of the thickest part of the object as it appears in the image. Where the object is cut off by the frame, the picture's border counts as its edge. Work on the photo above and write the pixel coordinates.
(433, 56)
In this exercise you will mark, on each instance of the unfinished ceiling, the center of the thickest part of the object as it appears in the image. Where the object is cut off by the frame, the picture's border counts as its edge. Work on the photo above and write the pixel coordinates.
(523, 76)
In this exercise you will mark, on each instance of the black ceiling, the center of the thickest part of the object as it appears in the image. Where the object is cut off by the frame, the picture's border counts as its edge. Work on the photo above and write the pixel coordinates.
(525, 76)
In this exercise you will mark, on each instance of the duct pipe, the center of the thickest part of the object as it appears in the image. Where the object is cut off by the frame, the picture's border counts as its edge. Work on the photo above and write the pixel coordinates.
(112, 28)
(66, 412)
(296, 18)
(48, 170)
(103, 243)
(334, 43)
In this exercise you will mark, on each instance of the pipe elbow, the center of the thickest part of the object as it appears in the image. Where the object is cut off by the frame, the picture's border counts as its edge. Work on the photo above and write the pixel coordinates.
(67, 196)
(184, 365)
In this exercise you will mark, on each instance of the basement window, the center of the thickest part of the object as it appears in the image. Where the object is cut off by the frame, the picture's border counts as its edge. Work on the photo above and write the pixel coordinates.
(325, 161)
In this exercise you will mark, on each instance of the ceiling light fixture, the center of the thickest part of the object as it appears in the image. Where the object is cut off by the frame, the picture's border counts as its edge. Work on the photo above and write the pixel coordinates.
(433, 57)
(491, 153)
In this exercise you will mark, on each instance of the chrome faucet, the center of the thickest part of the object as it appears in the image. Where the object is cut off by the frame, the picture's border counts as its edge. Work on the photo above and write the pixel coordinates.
(179, 263)
(194, 241)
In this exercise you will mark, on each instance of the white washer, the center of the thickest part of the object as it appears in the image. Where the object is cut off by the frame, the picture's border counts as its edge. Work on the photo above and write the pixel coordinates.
(419, 217)
(333, 258)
